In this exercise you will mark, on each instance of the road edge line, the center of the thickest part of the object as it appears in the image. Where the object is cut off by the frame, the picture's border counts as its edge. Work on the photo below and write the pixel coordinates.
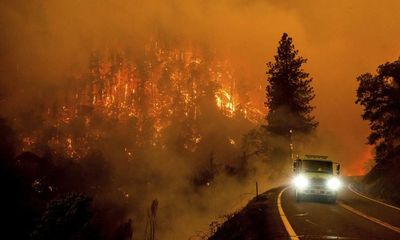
(375, 220)
(350, 187)
(288, 227)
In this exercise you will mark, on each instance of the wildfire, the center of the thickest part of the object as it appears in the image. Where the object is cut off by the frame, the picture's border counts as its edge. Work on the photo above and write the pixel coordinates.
(225, 102)
(363, 164)
(145, 96)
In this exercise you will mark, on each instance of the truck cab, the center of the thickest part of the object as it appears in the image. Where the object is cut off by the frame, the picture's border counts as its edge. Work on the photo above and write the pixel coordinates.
(316, 175)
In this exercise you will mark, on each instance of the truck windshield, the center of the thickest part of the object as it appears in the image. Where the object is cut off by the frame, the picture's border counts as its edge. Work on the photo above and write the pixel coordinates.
(317, 166)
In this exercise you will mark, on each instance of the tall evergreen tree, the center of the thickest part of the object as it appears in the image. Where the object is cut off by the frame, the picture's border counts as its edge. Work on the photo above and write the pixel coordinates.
(289, 92)
(380, 96)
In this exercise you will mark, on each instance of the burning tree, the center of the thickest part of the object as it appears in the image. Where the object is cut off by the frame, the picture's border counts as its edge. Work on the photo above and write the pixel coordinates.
(145, 100)
(166, 106)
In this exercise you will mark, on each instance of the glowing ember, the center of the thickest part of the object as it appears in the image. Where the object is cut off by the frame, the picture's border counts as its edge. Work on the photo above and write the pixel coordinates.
(169, 84)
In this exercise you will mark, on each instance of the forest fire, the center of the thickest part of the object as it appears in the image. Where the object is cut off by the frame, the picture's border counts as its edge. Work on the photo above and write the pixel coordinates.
(363, 164)
(131, 128)
(150, 119)
(225, 102)
(144, 95)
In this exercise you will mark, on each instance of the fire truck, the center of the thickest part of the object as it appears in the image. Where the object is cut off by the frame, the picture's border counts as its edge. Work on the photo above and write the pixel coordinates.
(316, 176)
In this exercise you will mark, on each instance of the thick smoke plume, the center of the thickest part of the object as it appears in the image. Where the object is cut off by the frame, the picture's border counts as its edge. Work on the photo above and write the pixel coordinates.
(41, 43)
(47, 49)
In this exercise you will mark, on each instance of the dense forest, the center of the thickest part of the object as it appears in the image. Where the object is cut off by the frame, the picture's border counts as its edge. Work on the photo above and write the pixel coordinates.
(141, 136)
(134, 134)
(151, 119)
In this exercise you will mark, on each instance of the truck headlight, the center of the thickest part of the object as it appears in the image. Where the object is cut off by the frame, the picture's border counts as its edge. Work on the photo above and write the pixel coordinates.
(334, 184)
(301, 182)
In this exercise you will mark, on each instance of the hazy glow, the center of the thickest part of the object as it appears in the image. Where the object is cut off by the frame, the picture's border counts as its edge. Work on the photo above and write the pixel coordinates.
(42, 43)
(45, 46)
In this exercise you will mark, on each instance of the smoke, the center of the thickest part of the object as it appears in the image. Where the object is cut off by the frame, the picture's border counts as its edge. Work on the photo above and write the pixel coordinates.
(45, 48)
(41, 43)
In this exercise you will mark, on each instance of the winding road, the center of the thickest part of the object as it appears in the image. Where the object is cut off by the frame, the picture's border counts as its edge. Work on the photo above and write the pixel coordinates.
(354, 216)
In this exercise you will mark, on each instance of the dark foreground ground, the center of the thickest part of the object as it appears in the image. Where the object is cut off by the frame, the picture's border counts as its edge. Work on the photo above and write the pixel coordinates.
(352, 217)
(258, 220)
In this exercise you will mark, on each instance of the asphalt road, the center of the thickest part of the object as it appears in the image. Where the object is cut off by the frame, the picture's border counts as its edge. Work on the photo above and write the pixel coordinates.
(352, 217)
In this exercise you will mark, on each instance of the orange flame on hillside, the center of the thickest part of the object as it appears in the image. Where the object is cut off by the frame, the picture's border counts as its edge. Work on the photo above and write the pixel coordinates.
(145, 95)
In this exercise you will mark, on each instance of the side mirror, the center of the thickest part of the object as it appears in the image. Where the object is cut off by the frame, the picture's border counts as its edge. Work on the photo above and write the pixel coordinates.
(338, 169)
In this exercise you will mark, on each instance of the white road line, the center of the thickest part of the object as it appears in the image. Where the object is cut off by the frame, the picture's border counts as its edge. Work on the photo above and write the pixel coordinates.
(288, 227)
(362, 195)
(375, 220)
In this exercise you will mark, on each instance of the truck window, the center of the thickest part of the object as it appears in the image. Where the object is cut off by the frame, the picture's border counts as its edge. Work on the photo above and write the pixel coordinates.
(317, 166)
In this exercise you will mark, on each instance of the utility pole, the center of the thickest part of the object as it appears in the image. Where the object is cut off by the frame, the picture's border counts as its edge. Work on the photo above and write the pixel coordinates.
(291, 145)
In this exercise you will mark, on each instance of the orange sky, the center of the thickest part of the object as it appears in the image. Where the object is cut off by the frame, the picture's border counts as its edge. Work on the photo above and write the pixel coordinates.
(42, 42)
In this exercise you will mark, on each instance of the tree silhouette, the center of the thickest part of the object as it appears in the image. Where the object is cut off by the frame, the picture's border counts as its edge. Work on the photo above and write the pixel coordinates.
(16, 197)
(65, 218)
(380, 96)
(289, 92)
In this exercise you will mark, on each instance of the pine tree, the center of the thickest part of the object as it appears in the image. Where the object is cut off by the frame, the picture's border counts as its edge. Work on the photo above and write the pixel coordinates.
(289, 92)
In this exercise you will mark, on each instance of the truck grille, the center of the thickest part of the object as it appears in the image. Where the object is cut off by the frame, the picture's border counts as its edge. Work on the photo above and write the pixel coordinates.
(318, 181)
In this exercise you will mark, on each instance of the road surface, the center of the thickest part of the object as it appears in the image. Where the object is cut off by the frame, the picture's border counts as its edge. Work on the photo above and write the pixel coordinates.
(353, 217)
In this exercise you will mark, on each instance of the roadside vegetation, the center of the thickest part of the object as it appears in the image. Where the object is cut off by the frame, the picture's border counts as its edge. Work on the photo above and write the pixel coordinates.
(289, 122)
(62, 193)
(379, 95)
(251, 223)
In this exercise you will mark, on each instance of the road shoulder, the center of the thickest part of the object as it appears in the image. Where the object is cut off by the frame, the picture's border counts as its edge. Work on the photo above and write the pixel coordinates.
(259, 219)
